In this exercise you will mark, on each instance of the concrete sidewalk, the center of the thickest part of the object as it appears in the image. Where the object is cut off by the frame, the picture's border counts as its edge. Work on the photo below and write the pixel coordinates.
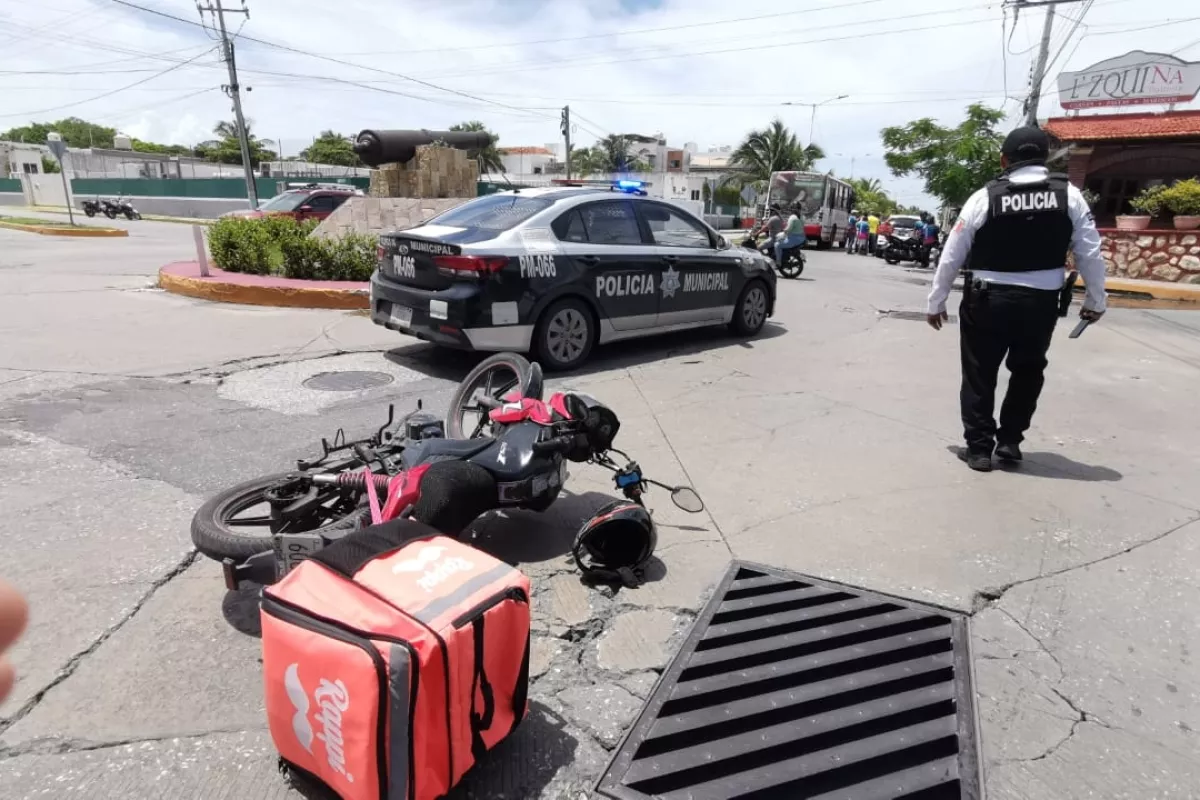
(823, 445)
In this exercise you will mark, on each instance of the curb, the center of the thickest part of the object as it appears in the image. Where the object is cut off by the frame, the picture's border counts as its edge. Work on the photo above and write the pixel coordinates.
(281, 295)
(57, 230)
(1185, 293)
(148, 217)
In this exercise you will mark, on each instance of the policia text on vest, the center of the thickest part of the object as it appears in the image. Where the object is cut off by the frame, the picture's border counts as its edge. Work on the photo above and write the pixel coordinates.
(1013, 236)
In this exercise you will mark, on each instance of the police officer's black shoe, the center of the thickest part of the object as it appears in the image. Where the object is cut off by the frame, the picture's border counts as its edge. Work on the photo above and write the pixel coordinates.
(980, 462)
(1009, 451)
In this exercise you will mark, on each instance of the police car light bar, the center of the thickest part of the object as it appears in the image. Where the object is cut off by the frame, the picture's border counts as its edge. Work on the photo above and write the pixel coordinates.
(621, 185)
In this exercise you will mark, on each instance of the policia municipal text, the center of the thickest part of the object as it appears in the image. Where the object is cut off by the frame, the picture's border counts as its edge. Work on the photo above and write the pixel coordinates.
(1013, 236)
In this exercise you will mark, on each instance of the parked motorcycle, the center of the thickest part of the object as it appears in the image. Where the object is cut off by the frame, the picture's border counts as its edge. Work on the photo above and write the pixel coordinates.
(123, 206)
(905, 248)
(92, 207)
(793, 257)
(506, 449)
(110, 208)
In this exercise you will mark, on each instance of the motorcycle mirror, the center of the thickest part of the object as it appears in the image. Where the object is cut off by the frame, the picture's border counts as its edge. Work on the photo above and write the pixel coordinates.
(685, 497)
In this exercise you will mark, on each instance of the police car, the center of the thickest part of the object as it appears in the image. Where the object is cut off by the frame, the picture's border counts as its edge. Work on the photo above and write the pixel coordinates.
(557, 270)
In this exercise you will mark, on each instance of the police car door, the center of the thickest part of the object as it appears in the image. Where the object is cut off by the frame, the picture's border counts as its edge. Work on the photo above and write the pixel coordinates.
(616, 266)
(697, 279)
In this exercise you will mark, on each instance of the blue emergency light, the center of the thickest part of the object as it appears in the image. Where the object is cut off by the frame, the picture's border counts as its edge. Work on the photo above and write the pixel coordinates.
(632, 187)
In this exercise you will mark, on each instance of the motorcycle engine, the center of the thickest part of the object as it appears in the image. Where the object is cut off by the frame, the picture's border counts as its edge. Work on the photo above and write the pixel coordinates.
(424, 426)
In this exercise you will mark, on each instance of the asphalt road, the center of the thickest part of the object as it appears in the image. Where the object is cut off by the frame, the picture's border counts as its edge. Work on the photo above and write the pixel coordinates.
(822, 445)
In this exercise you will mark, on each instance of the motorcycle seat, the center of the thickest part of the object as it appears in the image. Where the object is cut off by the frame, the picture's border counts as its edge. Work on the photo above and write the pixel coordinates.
(428, 450)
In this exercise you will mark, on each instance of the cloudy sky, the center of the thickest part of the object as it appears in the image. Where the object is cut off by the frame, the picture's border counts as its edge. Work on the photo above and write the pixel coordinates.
(703, 71)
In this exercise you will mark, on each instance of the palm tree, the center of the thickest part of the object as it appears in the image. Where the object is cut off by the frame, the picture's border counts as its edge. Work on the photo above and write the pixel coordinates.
(614, 155)
(866, 185)
(489, 157)
(587, 161)
(773, 149)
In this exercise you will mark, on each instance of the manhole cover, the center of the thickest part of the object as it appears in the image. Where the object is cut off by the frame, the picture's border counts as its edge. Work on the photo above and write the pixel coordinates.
(792, 687)
(347, 381)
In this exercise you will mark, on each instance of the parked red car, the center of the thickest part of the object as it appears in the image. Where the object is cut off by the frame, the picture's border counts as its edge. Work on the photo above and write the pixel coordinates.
(314, 201)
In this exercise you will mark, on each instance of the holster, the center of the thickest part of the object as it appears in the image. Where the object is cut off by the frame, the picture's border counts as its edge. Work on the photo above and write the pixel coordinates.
(1064, 295)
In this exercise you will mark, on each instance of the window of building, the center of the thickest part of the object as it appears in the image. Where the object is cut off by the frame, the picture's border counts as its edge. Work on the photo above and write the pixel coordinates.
(695, 194)
(30, 169)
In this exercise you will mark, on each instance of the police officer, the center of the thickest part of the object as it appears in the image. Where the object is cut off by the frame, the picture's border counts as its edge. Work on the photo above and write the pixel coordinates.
(1013, 236)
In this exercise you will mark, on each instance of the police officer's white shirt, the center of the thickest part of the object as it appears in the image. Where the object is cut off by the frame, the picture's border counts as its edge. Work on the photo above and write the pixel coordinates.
(1085, 243)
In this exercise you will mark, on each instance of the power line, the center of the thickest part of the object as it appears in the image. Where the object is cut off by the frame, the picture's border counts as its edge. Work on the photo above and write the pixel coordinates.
(637, 32)
(757, 39)
(290, 49)
(110, 92)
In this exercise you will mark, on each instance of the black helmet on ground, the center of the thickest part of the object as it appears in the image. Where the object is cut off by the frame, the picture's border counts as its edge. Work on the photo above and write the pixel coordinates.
(615, 544)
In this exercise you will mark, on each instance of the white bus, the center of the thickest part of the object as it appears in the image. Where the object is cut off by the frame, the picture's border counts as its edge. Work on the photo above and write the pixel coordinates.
(823, 199)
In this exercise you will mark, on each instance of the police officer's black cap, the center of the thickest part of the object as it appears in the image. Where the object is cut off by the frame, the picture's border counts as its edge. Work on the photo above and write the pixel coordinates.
(1025, 144)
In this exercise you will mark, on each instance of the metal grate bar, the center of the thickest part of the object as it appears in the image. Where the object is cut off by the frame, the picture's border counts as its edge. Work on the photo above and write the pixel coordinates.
(823, 771)
(776, 602)
(763, 584)
(792, 687)
(809, 669)
(812, 732)
(749, 630)
(779, 648)
(715, 720)
(935, 780)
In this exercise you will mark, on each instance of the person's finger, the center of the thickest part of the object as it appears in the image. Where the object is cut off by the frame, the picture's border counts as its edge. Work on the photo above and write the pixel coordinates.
(7, 679)
(13, 615)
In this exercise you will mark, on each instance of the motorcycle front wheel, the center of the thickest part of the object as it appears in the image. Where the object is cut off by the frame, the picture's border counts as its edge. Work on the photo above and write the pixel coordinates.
(792, 266)
(236, 523)
(108, 212)
(483, 389)
(91, 212)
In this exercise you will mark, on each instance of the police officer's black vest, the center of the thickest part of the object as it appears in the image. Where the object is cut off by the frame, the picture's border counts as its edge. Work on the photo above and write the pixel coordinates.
(1028, 226)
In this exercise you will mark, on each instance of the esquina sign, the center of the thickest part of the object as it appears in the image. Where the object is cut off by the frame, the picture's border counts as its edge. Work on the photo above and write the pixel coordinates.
(1136, 78)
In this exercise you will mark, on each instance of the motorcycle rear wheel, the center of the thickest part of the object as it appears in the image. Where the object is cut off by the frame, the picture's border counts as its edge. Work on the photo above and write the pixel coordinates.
(495, 376)
(213, 527)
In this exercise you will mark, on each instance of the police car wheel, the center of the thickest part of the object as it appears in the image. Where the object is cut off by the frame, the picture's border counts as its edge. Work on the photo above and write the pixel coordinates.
(750, 313)
(565, 335)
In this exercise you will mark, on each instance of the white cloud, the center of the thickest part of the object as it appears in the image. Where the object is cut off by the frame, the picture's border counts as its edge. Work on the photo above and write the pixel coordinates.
(626, 82)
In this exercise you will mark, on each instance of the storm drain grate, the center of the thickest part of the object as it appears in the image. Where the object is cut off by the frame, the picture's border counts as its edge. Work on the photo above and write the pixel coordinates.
(347, 381)
(792, 687)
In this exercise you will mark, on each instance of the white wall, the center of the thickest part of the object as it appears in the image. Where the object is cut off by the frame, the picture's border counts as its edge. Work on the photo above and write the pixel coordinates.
(525, 163)
(44, 189)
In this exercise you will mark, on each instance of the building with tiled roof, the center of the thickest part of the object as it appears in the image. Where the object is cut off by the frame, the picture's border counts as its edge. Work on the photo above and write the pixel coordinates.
(1116, 156)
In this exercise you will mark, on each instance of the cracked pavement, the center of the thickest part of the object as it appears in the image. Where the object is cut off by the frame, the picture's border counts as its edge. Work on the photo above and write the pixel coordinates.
(821, 446)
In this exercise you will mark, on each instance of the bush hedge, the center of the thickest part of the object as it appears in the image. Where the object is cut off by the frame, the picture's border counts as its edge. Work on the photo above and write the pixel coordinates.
(278, 245)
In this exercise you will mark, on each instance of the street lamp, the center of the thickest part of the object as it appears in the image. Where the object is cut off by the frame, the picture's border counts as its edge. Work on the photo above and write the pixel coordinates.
(814, 106)
(852, 157)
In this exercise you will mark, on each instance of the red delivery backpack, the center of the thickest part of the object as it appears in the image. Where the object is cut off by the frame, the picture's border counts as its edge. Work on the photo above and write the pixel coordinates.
(393, 659)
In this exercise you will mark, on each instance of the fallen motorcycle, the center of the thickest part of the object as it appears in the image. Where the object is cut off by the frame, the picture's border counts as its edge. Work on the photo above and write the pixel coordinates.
(507, 449)
(793, 257)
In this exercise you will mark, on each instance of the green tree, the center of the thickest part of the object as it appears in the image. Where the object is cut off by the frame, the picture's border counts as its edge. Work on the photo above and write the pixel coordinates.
(50, 165)
(75, 132)
(332, 148)
(587, 161)
(870, 197)
(612, 155)
(954, 162)
(489, 157)
(772, 149)
(227, 149)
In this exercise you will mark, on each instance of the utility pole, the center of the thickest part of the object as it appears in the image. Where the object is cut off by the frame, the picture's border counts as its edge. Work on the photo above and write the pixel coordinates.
(566, 132)
(1039, 69)
(234, 92)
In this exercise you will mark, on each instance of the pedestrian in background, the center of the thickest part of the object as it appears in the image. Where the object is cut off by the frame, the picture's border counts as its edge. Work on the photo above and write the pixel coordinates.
(863, 233)
(873, 230)
(851, 232)
(1013, 235)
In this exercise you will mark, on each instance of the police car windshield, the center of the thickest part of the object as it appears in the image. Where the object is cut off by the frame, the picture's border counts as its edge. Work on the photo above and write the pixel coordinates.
(496, 212)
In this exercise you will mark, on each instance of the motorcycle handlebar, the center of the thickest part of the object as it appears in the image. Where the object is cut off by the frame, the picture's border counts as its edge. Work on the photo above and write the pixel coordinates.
(558, 444)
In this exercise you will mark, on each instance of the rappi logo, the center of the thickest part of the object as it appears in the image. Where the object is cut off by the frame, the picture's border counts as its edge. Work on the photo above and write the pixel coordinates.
(437, 569)
(332, 700)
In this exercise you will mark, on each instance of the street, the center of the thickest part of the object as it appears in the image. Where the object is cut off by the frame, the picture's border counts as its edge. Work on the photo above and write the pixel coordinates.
(824, 445)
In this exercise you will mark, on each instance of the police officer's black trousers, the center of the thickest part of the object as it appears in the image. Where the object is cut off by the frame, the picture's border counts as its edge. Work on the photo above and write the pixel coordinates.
(1013, 325)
